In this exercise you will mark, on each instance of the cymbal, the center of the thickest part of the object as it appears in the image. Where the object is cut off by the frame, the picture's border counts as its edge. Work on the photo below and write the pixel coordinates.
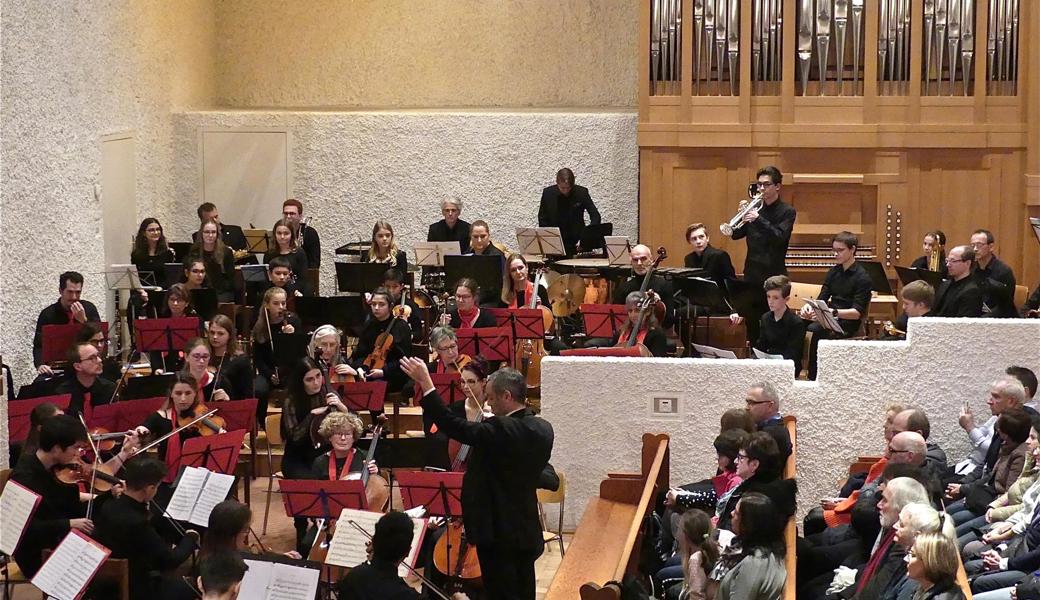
(566, 294)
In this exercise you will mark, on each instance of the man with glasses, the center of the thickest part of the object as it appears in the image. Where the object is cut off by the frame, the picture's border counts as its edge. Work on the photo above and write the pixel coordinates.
(763, 404)
(84, 381)
(232, 235)
(993, 276)
(310, 242)
(959, 296)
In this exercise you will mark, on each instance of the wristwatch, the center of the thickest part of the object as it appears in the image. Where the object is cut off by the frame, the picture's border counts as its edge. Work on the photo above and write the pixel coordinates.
(834, 312)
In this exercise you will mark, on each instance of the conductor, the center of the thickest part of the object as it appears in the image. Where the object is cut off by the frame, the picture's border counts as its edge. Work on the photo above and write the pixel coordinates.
(509, 451)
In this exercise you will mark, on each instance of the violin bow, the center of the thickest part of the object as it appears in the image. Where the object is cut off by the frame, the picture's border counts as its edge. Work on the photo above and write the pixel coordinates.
(93, 471)
(177, 430)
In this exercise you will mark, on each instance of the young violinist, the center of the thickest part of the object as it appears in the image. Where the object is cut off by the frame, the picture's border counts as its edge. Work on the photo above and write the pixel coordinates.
(384, 248)
(467, 313)
(393, 281)
(229, 528)
(516, 287)
(227, 361)
(272, 318)
(178, 305)
(286, 246)
(180, 405)
(63, 440)
(372, 349)
(151, 252)
(650, 333)
(343, 460)
(197, 357)
(124, 526)
(218, 259)
(40, 413)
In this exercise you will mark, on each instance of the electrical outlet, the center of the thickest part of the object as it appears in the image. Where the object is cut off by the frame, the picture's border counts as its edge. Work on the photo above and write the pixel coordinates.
(665, 405)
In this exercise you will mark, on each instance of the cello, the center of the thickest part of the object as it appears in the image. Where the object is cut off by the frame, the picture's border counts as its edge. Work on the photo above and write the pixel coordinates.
(529, 353)
(659, 307)
(637, 334)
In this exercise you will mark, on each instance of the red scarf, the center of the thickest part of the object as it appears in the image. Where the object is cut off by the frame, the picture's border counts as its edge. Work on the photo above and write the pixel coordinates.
(173, 449)
(465, 316)
(346, 466)
(875, 559)
(528, 291)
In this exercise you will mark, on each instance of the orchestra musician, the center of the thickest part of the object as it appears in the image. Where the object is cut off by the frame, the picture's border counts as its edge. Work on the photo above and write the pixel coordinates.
(368, 346)
(181, 403)
(846, 290)
(309, 240)
(124, 526)
(231, 236)
(178, 305)
(220, 576)
(934, 245)
(393, 281)
(342, 461)
(445, 345)
(69, 308)
(228, 530)
(509, 452)
(197, 355)
(467, 313)
(781, 332)
(649, 334)
(384, 248)
(715, 261)
(195, 274)
(959, 296)
(517, 288)
(151, 252)
(451, 228)
(218, 259)
(280, 274)
(480, 243)
(918, 298)
(642, 258)
(227, 361)
(564, 205)
(1032, 304)
(84, 382)
(62, 441)
(272, 318)
(993, 276)
(40, 413)
(286, 246)
(92, 332)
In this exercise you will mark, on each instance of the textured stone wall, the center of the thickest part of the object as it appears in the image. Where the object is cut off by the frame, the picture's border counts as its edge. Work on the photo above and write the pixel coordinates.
(73, 71)
(599, 408)
(435, 53)
(352, 168)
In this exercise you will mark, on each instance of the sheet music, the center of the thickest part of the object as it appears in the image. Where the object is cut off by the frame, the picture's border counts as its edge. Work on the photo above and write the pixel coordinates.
(712, 352)
(277, 581)
(187, 493)
(16, 507)
(618, 248)
(70, 567)
(348, 546)
(763, 355)
(823, 315)
(214, 491)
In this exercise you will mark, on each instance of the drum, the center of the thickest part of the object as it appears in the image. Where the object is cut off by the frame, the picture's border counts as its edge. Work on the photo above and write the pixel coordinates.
(595, 272)
(428, 312)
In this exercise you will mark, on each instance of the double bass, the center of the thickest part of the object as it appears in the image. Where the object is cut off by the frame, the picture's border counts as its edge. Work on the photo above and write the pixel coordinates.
(528, 355)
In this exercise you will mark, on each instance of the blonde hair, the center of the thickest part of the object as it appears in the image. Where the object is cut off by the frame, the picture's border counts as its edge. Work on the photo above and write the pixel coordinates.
(938, 556)
(338, 421)
(263, 321)
(373, 253)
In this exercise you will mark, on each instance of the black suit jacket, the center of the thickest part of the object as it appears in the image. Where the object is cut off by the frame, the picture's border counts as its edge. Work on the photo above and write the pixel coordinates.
(567, 213)
(958, 299)
(312, 247)
(439, 232)
(767, 240)
(508, 455)
(56, 315)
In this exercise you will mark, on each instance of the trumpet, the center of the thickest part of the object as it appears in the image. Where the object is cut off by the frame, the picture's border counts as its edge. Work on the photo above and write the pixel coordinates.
(746, 206)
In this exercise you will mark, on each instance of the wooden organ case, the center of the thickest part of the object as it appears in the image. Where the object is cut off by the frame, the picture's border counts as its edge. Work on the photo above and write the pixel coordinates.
(888, 118)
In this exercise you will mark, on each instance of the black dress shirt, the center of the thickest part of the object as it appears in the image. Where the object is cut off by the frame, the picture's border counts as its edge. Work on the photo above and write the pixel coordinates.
(440, 232)
(300, 452)
(236, 375)
(375, 580)
(1033, 303)
(715, 262)
(767, 240)
(220, 275)
(123, 526)
(312, 247)
(958, 299)
(263, 356)
(567, 213)
(402, 347)
(847, 288)
(232, 236)
(997, 284)
(55, 314)
(100, 393)
(400, 261)
(58, 504)
(921, 262)
(658, 284)
(154, 266)
(297, 262)
(785, 337)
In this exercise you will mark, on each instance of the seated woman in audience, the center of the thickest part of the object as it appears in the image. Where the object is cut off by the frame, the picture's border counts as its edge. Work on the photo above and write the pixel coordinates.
(752, 568)
(467, 313)
(384, 248)
(759, 467)
(272, 318)
(151, 252)
(711, 495)
(737, 418)
(517, 288)
(367, 349)
(218, 259)
(196, 357)
(782, 331)
(932, 563)
(285, 245)
(232, 368)
(975, 493)
(687, 575)
(650, 333)
(915, 519)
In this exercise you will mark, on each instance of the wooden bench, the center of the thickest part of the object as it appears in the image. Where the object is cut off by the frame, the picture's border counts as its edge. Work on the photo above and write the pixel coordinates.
(791, 531)
(606, 544)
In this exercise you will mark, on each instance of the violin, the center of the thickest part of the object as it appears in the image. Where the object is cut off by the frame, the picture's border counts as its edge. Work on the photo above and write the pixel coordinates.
(385, 340)
(206, 426)
(81, 471)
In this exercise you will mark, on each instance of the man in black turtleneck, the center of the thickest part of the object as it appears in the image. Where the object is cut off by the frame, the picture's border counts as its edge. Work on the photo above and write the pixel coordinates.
(959, 296)
(993, 276)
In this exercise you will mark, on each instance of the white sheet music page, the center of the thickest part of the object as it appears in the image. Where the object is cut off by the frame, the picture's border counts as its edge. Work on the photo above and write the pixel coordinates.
(418, 532)
(16, 508)
(347, 548)
(214, 491)
(276, 581)
(187, 493)
(70, 567)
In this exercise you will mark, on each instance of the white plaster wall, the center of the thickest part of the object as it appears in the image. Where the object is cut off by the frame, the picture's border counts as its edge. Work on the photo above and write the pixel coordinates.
(72, 71)
(599, 408)
(352, 168)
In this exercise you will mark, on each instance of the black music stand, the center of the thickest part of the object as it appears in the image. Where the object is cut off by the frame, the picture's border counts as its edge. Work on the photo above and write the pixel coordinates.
(149, 386)
(878, 277)
(485, 270)
(603, 320)
(362, 395)
(166, 335)
(359, 277)
(348, 313)
(180, 250)
(592, 236)
(909, 274)
(205, 302)
(218, 453)
(409, 452)
(289, 348)
(39, 388)
(174, 273)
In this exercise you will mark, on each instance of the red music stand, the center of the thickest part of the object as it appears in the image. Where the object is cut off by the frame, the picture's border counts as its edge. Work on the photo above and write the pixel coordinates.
(18, 412)
(218, 453)
(320, 499)
(237, 414)
(614, 351)
(490, 343)
(449, 386)
(603, 320)
(57, 339)
(527, 323)
(501, 316)
(439, 492)
(363, 395)
(165, 335)
(125, 415)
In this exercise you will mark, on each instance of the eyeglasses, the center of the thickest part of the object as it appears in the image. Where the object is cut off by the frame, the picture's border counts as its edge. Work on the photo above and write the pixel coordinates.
(447, 348)
(740, 457)
(91, 357)
(751, 402)
(892, 450)
(953, 260)
(764, 184)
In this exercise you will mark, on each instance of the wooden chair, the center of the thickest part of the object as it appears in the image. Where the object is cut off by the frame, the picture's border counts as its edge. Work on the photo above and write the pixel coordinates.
(550, 497)
(273, 426)
(1021, 295)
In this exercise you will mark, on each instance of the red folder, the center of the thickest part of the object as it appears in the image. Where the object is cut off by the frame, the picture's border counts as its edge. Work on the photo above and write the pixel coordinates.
(449, 386)
(490, 343)
(57, 339)
(237, 414)
(603, 320)
(440, 493)
(615, 351)
(125, 415)
(18, 412)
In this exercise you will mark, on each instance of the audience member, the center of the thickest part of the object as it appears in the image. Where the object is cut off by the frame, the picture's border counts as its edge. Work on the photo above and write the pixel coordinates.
(754, 564)
(759, 466)
(932, 563)
(763, 404)
(915, 519)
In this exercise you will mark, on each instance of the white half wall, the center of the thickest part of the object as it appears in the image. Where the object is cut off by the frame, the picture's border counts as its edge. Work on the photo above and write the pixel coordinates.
(352, 168)
(599, 407)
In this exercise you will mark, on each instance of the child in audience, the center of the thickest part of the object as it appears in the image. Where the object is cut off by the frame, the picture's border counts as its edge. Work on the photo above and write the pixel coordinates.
(698, 551)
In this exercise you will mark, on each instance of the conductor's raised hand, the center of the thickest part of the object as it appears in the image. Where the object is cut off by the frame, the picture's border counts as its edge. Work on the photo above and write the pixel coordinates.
(416, 369)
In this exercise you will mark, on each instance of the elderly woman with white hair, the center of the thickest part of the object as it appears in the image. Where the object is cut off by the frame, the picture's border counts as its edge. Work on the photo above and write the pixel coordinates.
(915, 519)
